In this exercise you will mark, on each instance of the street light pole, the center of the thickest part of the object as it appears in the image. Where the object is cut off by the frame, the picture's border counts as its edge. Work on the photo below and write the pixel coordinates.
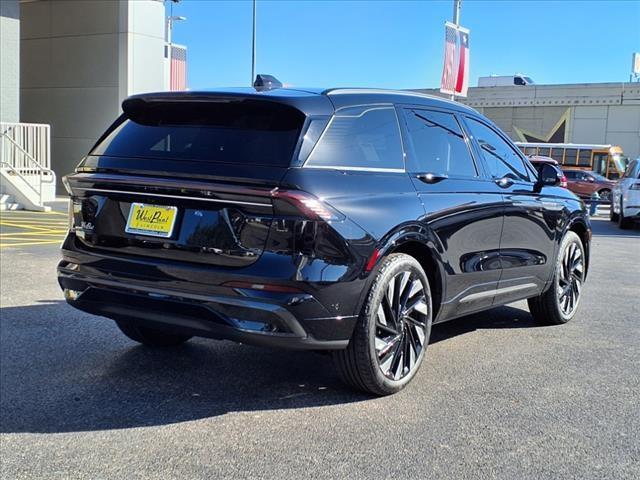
(457, 5)
(253, 47)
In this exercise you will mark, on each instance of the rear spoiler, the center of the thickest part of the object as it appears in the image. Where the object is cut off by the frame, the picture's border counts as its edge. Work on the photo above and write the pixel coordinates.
(309, 105)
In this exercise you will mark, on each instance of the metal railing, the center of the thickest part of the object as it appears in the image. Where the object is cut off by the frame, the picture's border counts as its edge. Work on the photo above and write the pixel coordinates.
(25, 151)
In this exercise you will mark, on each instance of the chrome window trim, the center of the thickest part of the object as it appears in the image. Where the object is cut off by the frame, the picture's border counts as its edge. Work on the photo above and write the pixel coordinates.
(177, 197)
(357, 169)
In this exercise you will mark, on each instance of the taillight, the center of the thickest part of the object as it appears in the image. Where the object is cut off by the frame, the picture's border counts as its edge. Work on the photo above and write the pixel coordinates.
(563, 182)
(310, 206)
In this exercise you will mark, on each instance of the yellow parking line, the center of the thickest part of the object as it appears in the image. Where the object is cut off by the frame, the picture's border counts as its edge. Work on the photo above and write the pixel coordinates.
(48, 233)
(44, 225)
(25, 212)
(17, 225)
(38, 218)
(24, 244)
(37, 223)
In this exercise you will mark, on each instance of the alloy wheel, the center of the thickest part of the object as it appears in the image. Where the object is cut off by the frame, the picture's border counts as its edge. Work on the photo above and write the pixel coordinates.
(401, 325)
(570, 278)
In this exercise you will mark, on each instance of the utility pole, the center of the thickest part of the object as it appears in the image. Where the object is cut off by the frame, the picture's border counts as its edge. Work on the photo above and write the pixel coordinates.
(253, 47)
(457, 5)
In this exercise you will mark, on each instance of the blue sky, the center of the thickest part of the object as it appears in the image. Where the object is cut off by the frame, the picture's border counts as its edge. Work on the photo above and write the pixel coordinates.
(399, 44)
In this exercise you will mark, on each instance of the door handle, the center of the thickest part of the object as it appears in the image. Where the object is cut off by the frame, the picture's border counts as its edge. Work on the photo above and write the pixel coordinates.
(504, 182)
(431, 177)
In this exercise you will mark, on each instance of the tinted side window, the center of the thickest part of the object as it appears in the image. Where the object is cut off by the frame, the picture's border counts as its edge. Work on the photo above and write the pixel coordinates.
(360, 137)
(438, 143)
(571, 175)
(501, 159)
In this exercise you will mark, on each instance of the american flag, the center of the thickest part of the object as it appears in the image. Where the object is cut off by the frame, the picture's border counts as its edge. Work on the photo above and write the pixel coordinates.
(455, 72)
(178, 68)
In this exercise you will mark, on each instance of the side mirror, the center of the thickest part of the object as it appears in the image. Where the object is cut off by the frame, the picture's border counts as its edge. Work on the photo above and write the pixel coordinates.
(549, 176)
(590, 179)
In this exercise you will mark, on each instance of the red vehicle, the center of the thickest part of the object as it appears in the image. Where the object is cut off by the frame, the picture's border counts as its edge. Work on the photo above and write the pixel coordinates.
(538, 161)
(585, 182)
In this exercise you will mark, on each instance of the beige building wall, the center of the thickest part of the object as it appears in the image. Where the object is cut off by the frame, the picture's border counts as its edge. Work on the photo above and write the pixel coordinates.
(79, 60)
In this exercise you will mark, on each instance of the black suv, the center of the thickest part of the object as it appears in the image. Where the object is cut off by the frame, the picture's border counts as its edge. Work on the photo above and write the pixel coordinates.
(347, 220)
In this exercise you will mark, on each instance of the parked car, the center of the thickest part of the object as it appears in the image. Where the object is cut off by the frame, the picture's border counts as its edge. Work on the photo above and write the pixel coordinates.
(539, 161)
(347, 220)
(625, 198)
(585, 183)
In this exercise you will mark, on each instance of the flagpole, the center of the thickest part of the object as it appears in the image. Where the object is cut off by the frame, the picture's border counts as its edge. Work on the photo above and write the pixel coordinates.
(253, 46)
(457, 5)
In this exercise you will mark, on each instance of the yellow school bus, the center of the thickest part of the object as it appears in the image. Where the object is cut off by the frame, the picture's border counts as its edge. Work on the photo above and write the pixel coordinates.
(607, 160)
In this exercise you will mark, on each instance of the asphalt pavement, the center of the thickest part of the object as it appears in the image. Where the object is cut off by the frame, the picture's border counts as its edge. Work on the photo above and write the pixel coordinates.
(498, 395)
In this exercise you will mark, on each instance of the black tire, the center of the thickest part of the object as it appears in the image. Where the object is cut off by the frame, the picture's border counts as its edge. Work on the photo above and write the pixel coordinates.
(560, 302)
(623, 223)
(391, 333)
(149, 336)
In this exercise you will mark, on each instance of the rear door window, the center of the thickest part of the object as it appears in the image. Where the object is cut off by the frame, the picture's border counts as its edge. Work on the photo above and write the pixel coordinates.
(360, 138)
(251, 132)
(502, 160)
(438, 144)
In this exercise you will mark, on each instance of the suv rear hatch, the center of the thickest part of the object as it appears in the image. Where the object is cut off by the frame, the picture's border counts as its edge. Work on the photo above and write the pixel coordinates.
(188, 177)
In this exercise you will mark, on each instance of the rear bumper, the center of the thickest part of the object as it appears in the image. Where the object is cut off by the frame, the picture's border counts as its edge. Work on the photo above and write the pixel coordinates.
(241, 320)
(166, 298)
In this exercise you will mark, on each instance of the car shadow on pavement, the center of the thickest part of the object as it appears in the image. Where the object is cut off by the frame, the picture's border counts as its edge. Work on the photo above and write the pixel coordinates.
(497, 318)
(65, 371)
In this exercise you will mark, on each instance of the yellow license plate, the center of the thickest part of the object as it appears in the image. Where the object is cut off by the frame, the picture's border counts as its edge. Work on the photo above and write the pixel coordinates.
(152, 220)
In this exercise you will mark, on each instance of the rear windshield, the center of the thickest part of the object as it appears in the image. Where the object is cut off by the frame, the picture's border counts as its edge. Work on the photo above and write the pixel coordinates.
(242, 132)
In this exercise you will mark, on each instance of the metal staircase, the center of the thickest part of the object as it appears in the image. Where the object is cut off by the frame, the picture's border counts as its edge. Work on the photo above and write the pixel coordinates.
(26, 178)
